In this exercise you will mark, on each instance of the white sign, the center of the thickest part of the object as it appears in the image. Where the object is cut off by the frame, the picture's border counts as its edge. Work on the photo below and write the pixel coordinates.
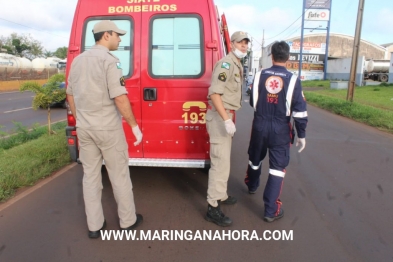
(317, 15)
(308, 47)
(309, 75)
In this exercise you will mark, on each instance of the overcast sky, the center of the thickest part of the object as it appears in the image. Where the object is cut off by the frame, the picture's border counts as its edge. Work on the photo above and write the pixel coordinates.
(49, 21)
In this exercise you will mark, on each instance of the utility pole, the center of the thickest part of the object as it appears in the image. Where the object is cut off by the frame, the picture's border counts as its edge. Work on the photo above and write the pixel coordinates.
(262, 46)
(301, 42)
(355, 52)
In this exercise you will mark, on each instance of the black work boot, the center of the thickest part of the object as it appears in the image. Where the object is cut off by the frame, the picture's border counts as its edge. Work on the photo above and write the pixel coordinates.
(229, 201)
(215, 215)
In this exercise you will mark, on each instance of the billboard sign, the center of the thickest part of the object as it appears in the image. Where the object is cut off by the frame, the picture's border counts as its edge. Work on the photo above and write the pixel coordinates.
(324, 4)
(308, 47)
(307, 57)
(317, 15)
(308, 75)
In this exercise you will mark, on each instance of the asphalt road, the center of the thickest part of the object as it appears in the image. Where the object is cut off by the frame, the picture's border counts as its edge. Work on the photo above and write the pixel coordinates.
(337, 198)
(17, 107)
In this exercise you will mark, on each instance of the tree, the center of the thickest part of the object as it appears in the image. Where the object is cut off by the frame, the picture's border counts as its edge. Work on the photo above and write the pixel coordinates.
(47, 94)
(48, 53)
(22, 41)
(61, 52)
(19, 48)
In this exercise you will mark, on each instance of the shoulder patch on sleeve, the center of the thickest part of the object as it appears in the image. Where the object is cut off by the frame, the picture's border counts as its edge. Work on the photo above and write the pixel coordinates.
(222, 77)
(226, 65)
(118, 65)
(122, 82)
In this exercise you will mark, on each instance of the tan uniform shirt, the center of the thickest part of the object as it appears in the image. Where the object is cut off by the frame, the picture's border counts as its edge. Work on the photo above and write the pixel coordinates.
(95, 79)
(227, 81)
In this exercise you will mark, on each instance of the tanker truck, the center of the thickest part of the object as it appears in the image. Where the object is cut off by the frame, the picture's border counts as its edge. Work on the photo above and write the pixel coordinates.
(9, 65)
(47, 66)
(377, 70)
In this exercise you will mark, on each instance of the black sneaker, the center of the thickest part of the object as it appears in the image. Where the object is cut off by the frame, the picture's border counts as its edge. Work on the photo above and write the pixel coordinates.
(97, 234)
(215, 215)
(271, 219)
(229, 201)
(139, 220)
(251, 192)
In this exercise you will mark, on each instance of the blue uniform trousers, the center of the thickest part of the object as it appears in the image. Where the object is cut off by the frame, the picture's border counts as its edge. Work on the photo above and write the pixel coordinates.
(278, 145)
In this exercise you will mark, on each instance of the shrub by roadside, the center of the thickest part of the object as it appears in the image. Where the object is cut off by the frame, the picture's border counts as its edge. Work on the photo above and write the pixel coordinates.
(22, 134)
(25, 164)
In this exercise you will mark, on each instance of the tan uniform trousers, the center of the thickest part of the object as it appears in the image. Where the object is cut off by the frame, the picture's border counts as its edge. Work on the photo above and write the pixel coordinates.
(220, 157)
(110, 146)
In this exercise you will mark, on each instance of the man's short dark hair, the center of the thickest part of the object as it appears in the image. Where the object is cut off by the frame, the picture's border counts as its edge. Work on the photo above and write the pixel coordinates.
(98, 36)
(280, 51)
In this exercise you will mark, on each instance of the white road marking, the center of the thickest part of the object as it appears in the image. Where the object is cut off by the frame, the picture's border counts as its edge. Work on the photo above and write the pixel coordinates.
(17, 110)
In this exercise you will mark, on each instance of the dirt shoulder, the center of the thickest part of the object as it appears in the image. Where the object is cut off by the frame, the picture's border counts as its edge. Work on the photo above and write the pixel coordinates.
(14, 85)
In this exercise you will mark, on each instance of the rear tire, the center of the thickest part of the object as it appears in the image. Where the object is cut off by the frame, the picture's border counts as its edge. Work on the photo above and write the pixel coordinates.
(383, 78)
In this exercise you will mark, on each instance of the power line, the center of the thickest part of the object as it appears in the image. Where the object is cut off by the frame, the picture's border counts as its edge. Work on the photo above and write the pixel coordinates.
(33, 28)
(254, 39)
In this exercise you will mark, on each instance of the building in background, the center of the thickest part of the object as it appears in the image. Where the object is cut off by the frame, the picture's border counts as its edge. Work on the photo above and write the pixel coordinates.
(340, 47)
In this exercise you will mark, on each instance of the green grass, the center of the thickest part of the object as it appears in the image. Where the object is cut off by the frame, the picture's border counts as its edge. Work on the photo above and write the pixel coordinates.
(375, 96)
(25, 164)
(316, 83)
(374, 116)
(21, 134)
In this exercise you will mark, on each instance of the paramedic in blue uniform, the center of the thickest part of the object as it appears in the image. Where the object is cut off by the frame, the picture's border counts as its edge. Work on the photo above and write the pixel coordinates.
(98, 98)
(224, 98)
(277, 95)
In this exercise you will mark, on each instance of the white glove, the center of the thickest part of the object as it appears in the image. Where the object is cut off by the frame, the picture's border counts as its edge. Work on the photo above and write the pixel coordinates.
(230, 127)
(302, 143)
(138, 135)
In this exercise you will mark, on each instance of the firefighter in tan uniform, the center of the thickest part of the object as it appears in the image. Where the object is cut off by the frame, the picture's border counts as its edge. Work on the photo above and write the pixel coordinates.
(97, 99)
(224, 99)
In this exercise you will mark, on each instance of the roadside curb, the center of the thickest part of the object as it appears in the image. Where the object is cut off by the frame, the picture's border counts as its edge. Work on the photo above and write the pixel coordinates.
(40, 184)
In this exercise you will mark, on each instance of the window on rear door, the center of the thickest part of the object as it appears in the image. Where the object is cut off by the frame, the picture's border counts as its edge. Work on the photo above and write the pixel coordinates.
(124, 51)
(176, 47)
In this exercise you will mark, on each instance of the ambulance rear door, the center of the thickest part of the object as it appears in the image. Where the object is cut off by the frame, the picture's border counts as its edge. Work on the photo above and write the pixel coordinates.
(176, 73)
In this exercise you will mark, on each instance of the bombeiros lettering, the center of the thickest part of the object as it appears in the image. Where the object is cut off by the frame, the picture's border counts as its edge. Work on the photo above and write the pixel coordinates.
(142, 8)
(141, 1)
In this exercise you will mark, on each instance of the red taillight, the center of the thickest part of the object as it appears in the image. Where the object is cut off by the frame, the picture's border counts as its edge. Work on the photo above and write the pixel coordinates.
(71, 120)
(73, 133)
(71, 141)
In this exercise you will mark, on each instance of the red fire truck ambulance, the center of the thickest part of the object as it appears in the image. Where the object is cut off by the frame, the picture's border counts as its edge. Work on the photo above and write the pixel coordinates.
(167, 58)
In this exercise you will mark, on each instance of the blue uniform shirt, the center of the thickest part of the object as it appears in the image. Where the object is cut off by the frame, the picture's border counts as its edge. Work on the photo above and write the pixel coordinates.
(273, 110)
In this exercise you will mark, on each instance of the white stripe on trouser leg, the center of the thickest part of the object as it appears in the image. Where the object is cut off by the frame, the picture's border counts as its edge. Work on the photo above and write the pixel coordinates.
(255, 167)
(275, 172)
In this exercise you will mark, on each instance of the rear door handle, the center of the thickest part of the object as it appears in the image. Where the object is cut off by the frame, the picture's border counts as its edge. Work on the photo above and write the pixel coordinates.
(150, 94)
